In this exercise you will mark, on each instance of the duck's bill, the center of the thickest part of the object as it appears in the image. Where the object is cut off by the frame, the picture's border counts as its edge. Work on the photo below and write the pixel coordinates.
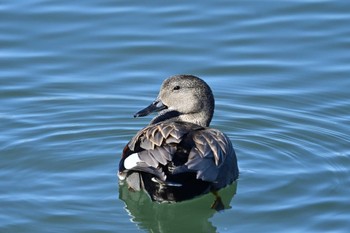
(156, 106)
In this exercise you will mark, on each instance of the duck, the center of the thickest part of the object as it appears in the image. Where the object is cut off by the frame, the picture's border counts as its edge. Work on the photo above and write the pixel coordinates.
(177, 156)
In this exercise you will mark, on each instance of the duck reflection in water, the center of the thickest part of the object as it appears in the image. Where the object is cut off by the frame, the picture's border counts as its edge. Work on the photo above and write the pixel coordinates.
(188, 216)
(178, 156)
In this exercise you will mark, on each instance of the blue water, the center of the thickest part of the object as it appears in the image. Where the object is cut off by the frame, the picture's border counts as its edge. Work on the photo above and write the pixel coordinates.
(73, 74)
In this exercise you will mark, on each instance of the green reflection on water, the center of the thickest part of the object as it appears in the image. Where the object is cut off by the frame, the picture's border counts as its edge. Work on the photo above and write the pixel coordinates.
(188, 216)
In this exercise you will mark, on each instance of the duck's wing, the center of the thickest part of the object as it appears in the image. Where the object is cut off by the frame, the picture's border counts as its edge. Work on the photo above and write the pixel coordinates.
(156, 145)
(209, 152)
(212, 157)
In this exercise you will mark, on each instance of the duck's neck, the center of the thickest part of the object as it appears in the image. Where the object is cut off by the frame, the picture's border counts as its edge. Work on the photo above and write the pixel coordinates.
(196, 118)
(165, 115)
(200, 118)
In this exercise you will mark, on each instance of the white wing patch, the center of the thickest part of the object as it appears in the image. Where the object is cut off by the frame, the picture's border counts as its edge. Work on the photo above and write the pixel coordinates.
(131, 161)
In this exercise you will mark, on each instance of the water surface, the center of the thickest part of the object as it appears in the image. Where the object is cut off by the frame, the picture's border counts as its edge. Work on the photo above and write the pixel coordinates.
(73, 74)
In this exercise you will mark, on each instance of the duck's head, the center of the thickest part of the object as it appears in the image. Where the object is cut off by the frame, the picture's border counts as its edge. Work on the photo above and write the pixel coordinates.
(182, 98)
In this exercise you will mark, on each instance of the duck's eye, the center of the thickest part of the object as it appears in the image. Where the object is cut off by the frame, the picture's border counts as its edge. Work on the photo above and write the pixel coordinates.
(176, 88)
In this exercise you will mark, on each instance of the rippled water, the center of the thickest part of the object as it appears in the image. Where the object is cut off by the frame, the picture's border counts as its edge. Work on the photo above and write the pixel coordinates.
(73, 74)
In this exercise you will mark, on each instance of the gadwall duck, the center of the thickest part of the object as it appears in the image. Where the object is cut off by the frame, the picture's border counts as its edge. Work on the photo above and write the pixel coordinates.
(177, 156)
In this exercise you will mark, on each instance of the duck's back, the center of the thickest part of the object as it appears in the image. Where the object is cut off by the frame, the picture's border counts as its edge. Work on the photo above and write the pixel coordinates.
(179, 160)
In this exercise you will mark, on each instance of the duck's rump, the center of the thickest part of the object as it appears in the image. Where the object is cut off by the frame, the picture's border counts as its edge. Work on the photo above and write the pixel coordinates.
(165, 186)
(178, 188)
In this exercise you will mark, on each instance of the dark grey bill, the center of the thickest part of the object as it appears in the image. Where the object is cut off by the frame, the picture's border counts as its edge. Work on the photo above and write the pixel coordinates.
(156, 106)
